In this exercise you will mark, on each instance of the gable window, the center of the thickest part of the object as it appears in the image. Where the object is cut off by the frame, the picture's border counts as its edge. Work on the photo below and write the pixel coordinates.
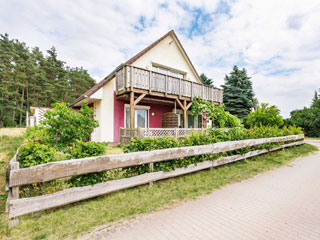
(168, 71)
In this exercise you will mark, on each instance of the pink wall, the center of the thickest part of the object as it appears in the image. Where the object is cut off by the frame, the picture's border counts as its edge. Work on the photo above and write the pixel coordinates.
(154, 121)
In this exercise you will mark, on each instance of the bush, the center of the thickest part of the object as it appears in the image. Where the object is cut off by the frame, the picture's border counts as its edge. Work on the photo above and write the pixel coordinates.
(217, 114)
(63, 130)
(83, 150)
(65, 126)
(34, 153)
(37, 134)
(308, 119)
(87, 149)
(264, 116)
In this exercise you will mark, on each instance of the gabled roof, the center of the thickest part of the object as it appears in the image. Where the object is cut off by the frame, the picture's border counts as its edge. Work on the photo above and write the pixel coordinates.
(130, 61)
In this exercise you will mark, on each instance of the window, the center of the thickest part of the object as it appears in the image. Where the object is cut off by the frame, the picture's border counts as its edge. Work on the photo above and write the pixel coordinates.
(168, 72)
(192, 121)
(140, 116)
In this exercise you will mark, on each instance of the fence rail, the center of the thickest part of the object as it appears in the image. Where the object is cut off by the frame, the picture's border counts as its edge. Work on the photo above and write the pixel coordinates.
(61, 169)
(126, 134)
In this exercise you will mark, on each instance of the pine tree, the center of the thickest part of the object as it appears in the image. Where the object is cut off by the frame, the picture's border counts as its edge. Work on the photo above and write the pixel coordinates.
(238, 93)
(6, 71)
(205, 80)
(28, 78)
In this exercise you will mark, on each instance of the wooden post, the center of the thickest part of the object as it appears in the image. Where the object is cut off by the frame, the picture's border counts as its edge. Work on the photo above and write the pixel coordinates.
(27, 119)
(151, 170)
(166, 85)
(123, 76)
(175, 132)
(191, 90)
(185, 114)
(13, 195)
(150, 81)
(131, 78)
(131, 109)
(139, 132)
(203, 92)
(179, 87)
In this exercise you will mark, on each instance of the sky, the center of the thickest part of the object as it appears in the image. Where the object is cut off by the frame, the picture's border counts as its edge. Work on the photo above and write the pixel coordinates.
(276, 41)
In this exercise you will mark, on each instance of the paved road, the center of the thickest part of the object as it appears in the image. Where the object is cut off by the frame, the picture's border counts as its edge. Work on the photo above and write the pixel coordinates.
(281, 204)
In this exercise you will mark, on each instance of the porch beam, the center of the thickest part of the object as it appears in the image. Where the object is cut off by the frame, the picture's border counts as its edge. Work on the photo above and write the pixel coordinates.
(158, 94)
(126, 97)
(131, 109)
(180, 104)
(189, 105)
(139, 98)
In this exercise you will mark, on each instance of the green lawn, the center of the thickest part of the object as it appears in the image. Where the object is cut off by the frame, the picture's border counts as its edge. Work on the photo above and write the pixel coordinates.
(312, 138)
(8, 147)
(81, 217)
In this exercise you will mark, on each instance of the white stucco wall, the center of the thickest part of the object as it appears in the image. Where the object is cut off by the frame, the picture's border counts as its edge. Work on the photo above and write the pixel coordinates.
(96, 134)
(104, 110)
(169, 55)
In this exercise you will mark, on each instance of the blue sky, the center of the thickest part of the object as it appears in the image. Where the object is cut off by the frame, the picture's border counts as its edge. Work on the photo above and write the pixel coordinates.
(278, 42)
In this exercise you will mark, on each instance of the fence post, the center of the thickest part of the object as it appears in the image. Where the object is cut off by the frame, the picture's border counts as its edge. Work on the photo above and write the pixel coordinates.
(175, 132)
(151, 170)
(139, 132)
(13, 194)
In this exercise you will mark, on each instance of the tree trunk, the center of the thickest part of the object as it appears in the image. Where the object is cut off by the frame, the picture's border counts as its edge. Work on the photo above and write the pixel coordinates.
(2, 119)
(21, 107)
(15, 106)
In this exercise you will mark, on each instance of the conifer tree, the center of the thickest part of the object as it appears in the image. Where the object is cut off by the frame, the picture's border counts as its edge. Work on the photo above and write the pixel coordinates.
(205, 80)
(238, 93)
(28, 78)
(316, 97)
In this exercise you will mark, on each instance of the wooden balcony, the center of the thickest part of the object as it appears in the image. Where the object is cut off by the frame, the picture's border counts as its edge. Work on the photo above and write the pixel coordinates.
(129, 78)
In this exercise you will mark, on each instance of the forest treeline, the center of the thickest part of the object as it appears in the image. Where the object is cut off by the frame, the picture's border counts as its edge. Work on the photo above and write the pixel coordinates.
(28, 77)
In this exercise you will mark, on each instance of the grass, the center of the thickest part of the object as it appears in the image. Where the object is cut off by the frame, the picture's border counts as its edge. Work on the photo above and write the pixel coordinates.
(312, 138)
(75, 219)
(12, 132)
(113, 149)
(8, 147)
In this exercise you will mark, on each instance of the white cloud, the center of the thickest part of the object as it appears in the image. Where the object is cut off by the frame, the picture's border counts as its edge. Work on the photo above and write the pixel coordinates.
(265, 37)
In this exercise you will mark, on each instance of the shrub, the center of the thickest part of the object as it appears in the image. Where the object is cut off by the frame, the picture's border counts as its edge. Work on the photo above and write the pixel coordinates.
(217, 114)
(87, 149)
(62, 128)
(264, 116)
(34, 153)
(308, 119)
(65, 126)
(82, 150)
(37, 134)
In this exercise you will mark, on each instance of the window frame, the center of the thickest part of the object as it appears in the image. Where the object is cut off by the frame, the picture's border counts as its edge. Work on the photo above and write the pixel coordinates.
(137, 107)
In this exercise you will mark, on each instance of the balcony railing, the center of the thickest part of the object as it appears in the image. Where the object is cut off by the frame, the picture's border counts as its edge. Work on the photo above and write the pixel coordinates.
(130, 77)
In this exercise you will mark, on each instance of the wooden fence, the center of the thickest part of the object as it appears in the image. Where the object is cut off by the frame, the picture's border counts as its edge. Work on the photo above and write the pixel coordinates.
(50, 171)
